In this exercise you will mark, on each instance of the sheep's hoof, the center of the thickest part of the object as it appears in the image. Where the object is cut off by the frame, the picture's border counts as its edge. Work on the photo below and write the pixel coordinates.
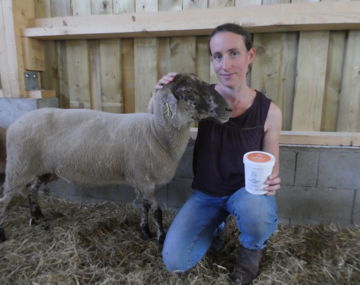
(2, 235)
(145, 233)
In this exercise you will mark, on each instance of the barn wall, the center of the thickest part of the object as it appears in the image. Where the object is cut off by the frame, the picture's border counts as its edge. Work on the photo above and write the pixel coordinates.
(313, 76)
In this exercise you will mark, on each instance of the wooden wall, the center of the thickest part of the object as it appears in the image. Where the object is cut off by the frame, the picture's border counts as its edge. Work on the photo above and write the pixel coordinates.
(313, 76)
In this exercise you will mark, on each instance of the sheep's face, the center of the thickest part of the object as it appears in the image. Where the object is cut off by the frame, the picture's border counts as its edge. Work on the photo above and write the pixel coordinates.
(198, 100)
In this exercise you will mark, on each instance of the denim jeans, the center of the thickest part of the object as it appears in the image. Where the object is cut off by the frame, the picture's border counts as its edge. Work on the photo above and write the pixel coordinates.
(193, 228)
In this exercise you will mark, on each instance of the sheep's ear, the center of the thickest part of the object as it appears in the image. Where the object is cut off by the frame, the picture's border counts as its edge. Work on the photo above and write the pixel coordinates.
(170, 103)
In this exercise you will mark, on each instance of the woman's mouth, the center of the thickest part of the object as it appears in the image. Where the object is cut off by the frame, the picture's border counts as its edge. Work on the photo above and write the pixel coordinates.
(227, 75)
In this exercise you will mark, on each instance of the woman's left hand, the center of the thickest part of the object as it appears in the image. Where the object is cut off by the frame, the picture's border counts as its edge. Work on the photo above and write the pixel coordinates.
(273, 184)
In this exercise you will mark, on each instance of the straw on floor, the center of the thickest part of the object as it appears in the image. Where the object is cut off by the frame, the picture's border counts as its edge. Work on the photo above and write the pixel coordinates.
(100, 244)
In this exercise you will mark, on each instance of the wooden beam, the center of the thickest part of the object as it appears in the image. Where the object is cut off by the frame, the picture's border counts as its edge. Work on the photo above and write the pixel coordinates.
(313, 138)
(41, 93)
(266, 18)
(9, 50)
(320, 138)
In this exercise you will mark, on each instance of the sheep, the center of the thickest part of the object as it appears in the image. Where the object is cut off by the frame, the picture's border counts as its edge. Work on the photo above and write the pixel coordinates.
(2, 149)
(94, 148)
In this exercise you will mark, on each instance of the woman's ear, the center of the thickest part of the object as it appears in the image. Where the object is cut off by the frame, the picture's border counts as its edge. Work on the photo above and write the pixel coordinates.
(251, 55)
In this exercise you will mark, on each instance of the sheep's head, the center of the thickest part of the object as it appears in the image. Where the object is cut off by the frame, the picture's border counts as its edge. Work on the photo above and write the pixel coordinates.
(190, 99)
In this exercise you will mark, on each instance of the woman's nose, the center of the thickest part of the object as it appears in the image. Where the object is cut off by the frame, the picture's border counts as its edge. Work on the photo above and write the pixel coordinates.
(226, 63)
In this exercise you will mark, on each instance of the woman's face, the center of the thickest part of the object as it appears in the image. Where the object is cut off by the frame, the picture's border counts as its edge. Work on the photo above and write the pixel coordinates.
(230, 59)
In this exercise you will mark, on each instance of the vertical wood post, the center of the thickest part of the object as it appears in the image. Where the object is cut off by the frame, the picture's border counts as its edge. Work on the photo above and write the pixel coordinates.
(17, 54)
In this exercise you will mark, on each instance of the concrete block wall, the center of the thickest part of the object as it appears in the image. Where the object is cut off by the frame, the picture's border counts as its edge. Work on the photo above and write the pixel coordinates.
(319, 184)
(13, 108)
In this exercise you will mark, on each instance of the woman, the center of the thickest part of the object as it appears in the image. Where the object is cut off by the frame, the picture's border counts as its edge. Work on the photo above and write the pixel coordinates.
(218, 169)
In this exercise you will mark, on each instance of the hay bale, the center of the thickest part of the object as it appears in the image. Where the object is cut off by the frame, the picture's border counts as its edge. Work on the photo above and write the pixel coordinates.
(100, 244)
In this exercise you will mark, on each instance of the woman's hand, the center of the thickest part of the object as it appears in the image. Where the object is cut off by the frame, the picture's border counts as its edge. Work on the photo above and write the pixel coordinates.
(273, 184)
(165, 80)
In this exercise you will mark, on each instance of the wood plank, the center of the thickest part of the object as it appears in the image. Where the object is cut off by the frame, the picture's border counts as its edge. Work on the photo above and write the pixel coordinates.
(60, 8)
(203, 58)
(42, 8)
(310, 81)
(101, 7)
(194, 4)
(15, 15)
(127, 59)
(164, 51)
(321, 138)
(64, 98)
(34, 55)
(110, 70)
(183, 49)
(313, 138)
(123, 6)
(81, 7)
(110, 59)
(145, 61)
(95, 71)
(93, 7)
(78, 69)
(9, 73)
(274, 68)
(335, 62)
(221, 3)
(349, 105)
(50, 77)
(128, 75)
(41, 93)
(267, 18)
(77, 66)
(246, 3)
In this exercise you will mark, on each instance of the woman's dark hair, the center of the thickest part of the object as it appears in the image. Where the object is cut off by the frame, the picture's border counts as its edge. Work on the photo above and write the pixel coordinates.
(232, 28)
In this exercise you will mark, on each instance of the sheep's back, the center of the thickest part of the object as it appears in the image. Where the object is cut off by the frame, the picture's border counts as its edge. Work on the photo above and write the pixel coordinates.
(86, 146)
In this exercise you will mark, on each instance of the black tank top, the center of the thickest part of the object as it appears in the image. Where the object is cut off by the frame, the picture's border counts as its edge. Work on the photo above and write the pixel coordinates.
(219, 149)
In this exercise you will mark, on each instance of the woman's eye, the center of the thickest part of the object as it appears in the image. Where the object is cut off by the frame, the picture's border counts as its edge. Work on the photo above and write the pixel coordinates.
(217, 57)
(234, 53)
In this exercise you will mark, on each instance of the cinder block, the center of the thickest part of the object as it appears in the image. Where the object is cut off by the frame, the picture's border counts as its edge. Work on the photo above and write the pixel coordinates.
(178, 192)
(306, 168)
(13, 108)
(72, 192)
(118, 194)
(287, 165)
(340, 168)
(308, 205)
(356, 211)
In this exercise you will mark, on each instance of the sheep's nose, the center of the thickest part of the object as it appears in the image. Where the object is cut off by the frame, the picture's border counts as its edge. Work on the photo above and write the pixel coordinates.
(228, 109)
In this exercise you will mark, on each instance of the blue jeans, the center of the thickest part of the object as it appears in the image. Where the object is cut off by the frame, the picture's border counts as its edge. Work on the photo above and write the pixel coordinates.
(193, 228)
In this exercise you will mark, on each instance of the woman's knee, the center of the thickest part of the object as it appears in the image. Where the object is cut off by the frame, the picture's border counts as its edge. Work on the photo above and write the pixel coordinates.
(174, 260)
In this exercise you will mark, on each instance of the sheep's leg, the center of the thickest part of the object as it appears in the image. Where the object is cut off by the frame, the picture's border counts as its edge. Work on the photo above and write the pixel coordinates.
(144, 221)
(8, 195)
(158, 221)
(35, 211)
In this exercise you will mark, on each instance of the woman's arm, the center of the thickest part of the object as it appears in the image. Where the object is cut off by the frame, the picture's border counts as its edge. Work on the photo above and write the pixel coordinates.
(271, 144)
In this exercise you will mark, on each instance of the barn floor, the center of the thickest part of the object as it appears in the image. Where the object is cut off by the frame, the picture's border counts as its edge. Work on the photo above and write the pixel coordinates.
(99, 244)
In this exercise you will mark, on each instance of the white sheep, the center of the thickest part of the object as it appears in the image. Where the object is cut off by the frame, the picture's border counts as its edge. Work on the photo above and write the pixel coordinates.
(2, 149)
(88, 147)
